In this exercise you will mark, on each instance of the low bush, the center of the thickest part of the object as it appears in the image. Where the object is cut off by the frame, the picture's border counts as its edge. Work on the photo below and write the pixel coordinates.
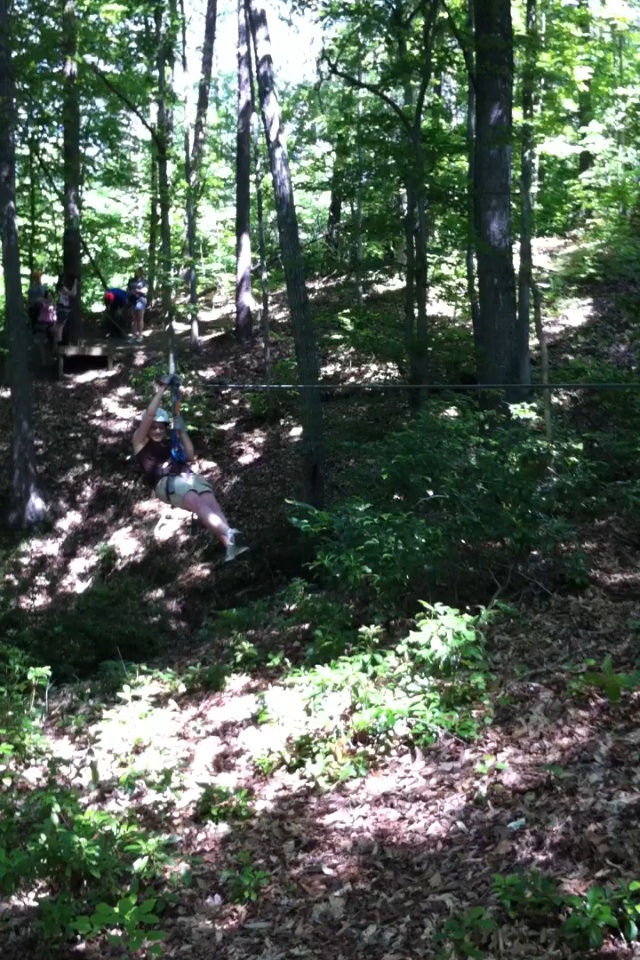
(457, 491)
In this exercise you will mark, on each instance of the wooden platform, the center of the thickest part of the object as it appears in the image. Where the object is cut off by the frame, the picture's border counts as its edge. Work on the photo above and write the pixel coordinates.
(86, 348)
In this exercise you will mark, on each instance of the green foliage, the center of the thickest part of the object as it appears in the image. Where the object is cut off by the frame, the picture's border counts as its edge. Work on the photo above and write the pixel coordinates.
(465, 935)
(81, 634)
(611, 683)
(245, 881)
(273, 404)
(223, 805)
(587, 918)
(91, 869)
(358, 707)
(456, 489)
(312, 623)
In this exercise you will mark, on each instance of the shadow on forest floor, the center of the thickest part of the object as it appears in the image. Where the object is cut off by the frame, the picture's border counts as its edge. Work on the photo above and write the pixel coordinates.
(373, 866)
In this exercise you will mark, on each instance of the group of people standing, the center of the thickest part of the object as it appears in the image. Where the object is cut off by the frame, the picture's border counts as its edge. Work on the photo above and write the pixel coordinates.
(49, 309)
(119, 303)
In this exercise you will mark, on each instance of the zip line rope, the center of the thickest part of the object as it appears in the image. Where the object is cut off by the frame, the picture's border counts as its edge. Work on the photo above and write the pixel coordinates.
(394, 385)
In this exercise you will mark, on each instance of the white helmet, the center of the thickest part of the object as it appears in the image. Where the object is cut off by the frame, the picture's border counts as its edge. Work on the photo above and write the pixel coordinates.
(161, 416)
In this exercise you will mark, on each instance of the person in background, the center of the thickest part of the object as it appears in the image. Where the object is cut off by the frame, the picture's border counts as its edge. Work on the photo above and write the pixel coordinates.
(66, 287)
(45, 327)
(116, 301)
(138, 289)
(35, 296)
(174, 482)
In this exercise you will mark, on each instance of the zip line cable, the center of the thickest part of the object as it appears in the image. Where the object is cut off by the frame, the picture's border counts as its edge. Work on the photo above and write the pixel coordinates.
(394, 385)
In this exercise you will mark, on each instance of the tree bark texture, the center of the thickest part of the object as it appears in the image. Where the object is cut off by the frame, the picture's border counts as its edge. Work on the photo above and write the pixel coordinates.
(585, 102)
(257, 173)
(525, 274)
(472, 290)
(193, 166)
(71, 246)
(334, 217)
(163, 185)
(303, 332)
(203, 90)
(26, 504)
(153, 226)
(243, 184)
(502, 344)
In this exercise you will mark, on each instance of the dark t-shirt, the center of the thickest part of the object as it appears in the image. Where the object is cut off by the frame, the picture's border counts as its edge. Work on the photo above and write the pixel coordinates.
(119, 296)
(156, 461)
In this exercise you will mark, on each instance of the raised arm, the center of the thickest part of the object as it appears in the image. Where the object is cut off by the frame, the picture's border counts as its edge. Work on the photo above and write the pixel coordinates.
(142, 433)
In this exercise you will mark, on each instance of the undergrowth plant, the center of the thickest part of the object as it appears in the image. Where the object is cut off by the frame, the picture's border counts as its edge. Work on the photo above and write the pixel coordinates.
(91, 871)
(582, 921)
(458, 489)
(357, 707)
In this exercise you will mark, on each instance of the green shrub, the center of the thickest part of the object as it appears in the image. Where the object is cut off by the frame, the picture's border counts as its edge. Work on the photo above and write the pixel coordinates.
(91, 869)
(358, 706)
(82, 634)
(457, 490)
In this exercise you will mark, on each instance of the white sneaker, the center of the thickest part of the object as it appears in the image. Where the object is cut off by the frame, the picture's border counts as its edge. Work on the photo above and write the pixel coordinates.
(235, 545)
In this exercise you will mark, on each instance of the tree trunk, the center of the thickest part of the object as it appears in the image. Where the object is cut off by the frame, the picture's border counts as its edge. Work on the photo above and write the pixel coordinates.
(26, 503)
(193, 167)
(410, 276)
(334, 217)
(303, 332)
(585, 103)
(502, 345)
(257, 168)
(525, 274)
(33, 216)
(472, 291)
(264, 273)
(358, 266)
(421, 362)
(71, 248)
(163, 186)
(203, 90)
(244, 321)
(153, 226)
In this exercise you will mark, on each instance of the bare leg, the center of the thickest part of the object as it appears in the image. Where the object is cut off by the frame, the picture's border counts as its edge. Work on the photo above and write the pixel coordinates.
(138, 322)
(209, 513)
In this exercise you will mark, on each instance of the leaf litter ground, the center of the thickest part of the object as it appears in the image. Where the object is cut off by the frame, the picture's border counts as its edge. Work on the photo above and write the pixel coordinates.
(373, 866)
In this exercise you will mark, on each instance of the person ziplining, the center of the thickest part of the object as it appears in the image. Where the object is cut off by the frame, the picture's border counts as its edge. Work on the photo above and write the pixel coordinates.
(165, 461)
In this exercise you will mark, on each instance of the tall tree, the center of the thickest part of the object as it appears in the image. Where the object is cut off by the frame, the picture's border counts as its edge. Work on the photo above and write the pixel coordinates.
(26, 503)
(303, 332)
(525, 274)
(71, 246)
(470, 258)
(405, 28)
(193, 163)
(502, 341)
(153, 221)
(163, 138)
(243, 183)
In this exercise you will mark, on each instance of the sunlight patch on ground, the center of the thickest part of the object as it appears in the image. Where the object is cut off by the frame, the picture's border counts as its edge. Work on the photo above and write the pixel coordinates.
(113, 407)
(70, 521)
(575, 314)
(89, 376)
(79, 574)
(392, 283)
(127, 542)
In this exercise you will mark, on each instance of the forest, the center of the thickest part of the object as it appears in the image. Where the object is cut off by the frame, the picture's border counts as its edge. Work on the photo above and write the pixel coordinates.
(319, 396)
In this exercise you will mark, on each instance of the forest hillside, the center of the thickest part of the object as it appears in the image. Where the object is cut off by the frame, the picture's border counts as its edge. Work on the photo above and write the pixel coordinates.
(319, 591)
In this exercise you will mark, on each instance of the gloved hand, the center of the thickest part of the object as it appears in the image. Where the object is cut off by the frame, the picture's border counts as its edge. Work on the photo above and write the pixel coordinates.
(180, 425)
(171, 380)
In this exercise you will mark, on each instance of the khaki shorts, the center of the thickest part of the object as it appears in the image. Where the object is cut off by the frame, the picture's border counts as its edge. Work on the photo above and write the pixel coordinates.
(180, 486)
